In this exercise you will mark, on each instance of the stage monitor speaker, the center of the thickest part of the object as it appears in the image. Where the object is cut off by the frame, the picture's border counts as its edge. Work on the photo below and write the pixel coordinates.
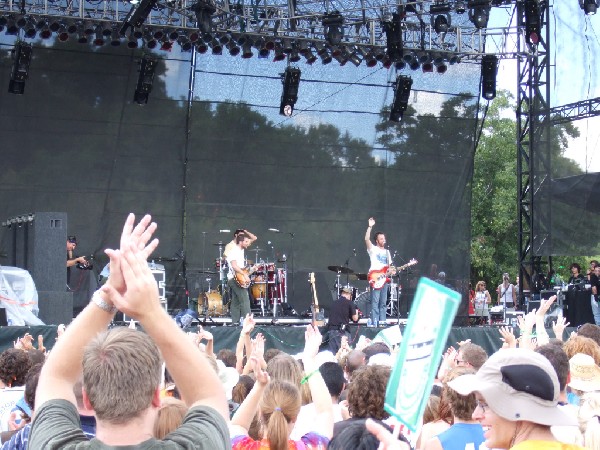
(39, 246)
(302, 295)
(55, 307)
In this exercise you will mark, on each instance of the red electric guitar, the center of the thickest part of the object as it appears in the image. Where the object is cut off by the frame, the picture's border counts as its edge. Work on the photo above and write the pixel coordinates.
(377, 278)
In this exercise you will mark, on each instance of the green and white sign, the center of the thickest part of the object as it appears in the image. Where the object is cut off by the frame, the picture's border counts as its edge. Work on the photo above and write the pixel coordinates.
(424, 341)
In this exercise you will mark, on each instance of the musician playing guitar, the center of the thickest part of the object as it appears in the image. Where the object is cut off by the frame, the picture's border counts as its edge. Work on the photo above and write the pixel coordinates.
(240, 300)
(380, 259)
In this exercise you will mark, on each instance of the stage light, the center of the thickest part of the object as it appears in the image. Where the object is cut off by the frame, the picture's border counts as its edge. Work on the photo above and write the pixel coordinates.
(333, 27)
(63, 34)
(72, 28)
(279, 55)
(427, 67)
(194, 36)
(247, 50)
(440, 66)
(21, 21)
(217, 48)
(324, 55)
(132, 41)
(401, 96)
(370, 59)
(589, 7)
(149, 39)
(400, 65)
(393, 35)
(30, 31)
(137, 15)
(11, 28)
(20, 69)
(204, 9)
(303, 47)
(460, 7)
(290, 80)
(99, 39)
(441, 23)
(233, 48)
(145, 80)
(173, 35)
(479, 13)
(88, 27)
(489, 67)
(287, 46)
(115, 37)
(355, 58)
(54, 26)
(532, 21)
(202, 47)
(45, 32)
(294, 56)
(310, 58)
(185, 44)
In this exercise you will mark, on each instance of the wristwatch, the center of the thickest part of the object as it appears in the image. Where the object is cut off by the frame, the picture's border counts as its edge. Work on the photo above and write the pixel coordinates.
(100, 303)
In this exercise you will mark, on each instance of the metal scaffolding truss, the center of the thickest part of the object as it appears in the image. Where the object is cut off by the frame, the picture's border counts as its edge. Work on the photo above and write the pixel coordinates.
(533, 151)
(363, 21)
(575, 111)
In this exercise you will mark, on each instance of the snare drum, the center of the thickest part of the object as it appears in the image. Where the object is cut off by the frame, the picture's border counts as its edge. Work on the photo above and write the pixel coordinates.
(213, 302)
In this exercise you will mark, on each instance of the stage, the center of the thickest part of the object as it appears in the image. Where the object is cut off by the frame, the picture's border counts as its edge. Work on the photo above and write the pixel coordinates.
(286, 335)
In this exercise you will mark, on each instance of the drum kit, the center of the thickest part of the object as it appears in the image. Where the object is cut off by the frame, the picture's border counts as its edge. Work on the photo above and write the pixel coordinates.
(267, 288)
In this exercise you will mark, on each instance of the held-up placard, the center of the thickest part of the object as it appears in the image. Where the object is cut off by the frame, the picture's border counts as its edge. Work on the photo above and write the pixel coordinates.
(424, 341)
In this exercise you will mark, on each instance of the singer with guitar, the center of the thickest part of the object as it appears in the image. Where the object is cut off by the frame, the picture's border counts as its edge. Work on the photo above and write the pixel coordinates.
(237, 277)
(380, 259)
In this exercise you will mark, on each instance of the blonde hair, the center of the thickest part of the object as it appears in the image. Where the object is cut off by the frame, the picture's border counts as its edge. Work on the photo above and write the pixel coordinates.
(284, 367)
(588, 414)
(581, 344)
(121, 373)
(279, 405)
(170, 416)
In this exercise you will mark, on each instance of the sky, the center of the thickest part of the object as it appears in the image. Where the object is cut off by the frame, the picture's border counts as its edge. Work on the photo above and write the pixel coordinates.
(575, 44)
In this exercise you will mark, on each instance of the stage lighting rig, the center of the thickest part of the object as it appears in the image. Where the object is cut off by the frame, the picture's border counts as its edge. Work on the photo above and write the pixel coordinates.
(20, 70)
(533, 21)
(204, 9)
(145, 80)
(589, 7)
(401, 96)
(137, 15)
(333, 27)
(291, 80)
(489, 68)
(393, 34)
(479, 12)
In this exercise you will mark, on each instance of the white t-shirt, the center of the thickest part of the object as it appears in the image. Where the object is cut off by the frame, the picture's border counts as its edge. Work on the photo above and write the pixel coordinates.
(508, 296)
(380, 257)
(235, 254)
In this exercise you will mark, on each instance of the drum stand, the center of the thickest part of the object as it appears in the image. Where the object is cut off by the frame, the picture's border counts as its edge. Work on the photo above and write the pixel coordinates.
(393, 309)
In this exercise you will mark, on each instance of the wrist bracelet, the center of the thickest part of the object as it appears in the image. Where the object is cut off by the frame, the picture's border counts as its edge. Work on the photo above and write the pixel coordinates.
(100, 303)
(305, 379)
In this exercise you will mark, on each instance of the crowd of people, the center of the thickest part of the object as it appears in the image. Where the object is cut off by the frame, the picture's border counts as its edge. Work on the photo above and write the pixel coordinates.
(162, 388)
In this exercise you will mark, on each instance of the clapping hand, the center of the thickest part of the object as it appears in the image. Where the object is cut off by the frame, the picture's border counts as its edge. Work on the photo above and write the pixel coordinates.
(559, 327)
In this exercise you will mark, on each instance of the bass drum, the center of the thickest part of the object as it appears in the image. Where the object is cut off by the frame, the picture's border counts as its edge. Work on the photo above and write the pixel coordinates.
(363, 304)
(213, 302)
(258, 290)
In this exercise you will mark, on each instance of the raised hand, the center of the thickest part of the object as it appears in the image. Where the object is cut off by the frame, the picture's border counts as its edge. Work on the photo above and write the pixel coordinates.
(248, 324)
(312, 341)
(545, 306)
(137, 236)
(371, 222)
(508, 336)
(559, 327)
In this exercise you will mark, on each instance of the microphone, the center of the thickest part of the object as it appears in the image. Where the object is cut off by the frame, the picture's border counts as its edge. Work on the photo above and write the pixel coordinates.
(224, 231)
(354, 251)
(274, 230)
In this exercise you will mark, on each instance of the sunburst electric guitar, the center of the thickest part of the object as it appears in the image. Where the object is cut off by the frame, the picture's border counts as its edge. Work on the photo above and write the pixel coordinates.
(377, 278)
(244, 281)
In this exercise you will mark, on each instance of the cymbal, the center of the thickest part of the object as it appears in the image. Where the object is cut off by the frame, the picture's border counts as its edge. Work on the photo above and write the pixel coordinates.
(255, 249)
(162, 258)
(340, 269)
(220, 244)
(359, 276)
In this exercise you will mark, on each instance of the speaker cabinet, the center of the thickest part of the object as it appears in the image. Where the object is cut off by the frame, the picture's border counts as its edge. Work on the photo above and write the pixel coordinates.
(55, 307)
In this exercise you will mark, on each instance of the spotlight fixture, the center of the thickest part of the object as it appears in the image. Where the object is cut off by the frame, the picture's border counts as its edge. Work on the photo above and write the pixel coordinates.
(294, 56)
(401, 96)
(589, 7)
(370, 59)
(333, 27)
(247, 50)
(185, 44)
(479, 13)
(145, 80)
(310, 58)
(393, 34)
(532, 21)
(279, 55)
(459, 7)
(233, 48)
(489, 67)
(355, 58)
(115, 37)
(290, 80)
(204, 9)
(20, 69)
(99, 39)
(63, 34)
(439, 7)
(137, 15)
(441, 23)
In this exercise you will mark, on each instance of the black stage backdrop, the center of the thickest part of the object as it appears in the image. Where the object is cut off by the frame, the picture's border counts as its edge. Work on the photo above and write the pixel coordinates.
(209, 152)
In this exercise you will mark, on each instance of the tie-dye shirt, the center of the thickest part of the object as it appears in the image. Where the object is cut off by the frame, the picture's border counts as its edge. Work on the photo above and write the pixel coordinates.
(310, 441)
